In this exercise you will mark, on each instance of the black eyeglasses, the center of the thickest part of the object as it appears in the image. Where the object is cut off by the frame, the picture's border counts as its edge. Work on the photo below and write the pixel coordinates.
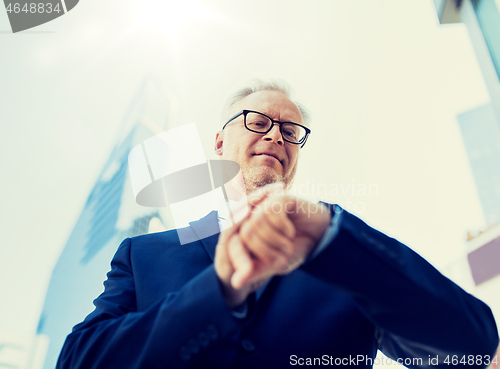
(260, 123)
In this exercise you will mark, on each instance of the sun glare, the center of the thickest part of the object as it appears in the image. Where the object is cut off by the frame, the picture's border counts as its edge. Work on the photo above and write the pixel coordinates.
(171, 16)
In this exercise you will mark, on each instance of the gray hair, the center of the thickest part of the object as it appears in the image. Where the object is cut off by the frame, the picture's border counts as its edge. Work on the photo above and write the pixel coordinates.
(259, 85)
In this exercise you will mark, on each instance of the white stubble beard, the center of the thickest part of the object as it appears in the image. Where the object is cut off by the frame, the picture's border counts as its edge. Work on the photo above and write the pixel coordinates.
(255, 177)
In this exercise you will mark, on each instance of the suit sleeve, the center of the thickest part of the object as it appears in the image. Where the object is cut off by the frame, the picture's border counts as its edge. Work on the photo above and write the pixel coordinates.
(173, 333)
(417, 311)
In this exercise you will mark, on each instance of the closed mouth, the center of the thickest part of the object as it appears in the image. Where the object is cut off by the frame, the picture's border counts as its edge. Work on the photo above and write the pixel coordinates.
(271, 155)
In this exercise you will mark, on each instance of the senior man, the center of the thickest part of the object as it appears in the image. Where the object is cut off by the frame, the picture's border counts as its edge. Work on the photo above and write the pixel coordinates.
(291, 283)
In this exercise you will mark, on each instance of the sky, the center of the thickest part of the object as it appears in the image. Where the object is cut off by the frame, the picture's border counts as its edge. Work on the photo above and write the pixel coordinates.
(383, 80)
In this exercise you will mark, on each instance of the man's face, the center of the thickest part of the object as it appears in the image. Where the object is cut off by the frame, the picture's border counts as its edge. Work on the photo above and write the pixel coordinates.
(264, 158)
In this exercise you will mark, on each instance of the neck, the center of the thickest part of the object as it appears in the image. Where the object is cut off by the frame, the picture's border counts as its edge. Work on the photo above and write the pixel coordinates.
(235, 189)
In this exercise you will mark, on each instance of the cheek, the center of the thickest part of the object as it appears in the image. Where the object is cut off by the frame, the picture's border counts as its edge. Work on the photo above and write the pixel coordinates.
(236, 151)
(293, 156)
(240, 142)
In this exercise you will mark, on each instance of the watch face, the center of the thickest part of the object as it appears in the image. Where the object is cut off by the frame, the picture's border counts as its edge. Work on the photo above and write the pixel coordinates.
(25, 14)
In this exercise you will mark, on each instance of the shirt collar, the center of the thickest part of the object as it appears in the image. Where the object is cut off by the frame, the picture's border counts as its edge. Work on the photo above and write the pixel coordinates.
(225, 209)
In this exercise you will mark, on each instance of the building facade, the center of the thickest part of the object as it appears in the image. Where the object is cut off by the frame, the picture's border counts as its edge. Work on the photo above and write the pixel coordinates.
(478, 270)
(22, 351)
(109, 215)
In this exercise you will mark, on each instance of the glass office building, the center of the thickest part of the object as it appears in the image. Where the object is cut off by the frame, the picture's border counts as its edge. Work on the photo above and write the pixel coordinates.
(478, 270)
(110, 214)
(481, 136)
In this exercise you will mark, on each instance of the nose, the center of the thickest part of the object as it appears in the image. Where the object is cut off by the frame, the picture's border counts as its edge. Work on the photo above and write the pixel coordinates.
(274, 135)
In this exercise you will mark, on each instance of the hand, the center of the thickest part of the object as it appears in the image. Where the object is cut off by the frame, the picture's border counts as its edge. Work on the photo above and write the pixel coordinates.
(228, 241)
(276, 238)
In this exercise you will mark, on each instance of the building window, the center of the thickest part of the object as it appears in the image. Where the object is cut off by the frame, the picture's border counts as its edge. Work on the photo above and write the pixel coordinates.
(489, 21)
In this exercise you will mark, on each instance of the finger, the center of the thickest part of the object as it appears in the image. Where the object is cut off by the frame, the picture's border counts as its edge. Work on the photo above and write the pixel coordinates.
(273, 213)
(222, 263)
(241, 261)
(276, 208)
(260, 226)
(260, 247)
(254, 277)
(246, 204)
(240, 214)
(242, 210)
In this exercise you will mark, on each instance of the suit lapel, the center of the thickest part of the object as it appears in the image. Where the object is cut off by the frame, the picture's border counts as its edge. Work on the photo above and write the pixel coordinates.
(207, 231)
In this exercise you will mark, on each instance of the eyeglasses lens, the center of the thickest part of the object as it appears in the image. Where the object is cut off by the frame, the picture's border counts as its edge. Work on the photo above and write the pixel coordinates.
(259, 123)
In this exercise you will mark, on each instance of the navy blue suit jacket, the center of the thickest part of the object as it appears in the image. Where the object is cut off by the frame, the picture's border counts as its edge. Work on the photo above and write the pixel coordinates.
(163, 308)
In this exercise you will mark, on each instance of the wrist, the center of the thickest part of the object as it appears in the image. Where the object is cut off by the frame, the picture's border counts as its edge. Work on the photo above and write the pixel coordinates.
(233, 297)
(323, 221)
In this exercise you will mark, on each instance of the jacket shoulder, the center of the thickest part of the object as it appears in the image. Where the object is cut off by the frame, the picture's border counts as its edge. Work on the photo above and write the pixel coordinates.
(165, 236)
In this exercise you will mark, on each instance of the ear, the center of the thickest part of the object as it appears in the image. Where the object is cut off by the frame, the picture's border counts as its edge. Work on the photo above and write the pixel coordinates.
(219, 138)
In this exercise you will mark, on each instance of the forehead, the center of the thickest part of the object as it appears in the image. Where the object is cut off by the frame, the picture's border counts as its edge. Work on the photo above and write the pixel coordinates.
(272, 103)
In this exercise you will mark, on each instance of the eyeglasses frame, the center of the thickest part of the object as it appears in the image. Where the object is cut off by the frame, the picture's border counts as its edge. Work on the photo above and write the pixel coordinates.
(273, 122)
